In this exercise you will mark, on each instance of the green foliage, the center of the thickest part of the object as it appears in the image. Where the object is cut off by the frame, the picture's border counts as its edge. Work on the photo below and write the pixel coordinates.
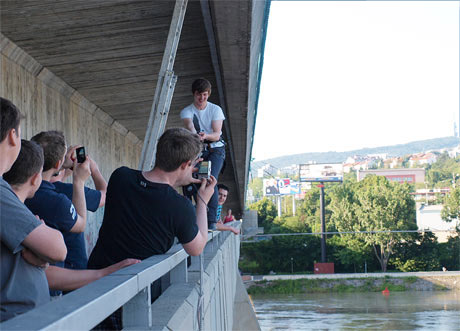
(266, 211)
(451, 206)
(449, 253)
(439, 174)
(373, 204)
(421, 252)
(275, 254)
(298, 286)
(256, 185)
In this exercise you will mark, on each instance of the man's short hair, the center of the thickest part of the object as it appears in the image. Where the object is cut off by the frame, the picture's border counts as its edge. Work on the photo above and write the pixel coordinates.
(201, 85)
(54, 147)
(10, 117)
(175, 147)
(223, 187)
(28, 163)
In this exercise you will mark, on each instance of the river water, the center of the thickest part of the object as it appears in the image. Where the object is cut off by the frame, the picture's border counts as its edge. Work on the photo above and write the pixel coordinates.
(337, 311)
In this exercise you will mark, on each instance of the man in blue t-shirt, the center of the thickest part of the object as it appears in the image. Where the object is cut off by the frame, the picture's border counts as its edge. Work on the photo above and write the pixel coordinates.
(55, 208)
(77, 257)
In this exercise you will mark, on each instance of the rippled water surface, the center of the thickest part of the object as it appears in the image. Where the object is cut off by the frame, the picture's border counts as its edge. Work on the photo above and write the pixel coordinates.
(397, 311)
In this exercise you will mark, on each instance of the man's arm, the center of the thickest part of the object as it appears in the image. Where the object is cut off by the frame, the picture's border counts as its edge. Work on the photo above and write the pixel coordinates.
(69, 279)
(216, 131)
(196, 246)
(188, 124)
(99, 181)
(222, 227)
(80, 174)
(47, 243)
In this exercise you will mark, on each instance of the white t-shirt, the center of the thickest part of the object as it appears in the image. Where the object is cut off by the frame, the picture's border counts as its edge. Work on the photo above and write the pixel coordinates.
(205, 117)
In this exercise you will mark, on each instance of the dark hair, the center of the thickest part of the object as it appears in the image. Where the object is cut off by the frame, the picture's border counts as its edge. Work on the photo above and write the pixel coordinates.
(10, 117)
(175, 147)
(54, 147)
(201, 85)
(28, 163)
(223, 187)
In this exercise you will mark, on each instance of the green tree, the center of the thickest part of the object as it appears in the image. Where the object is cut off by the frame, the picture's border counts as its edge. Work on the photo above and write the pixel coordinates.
(451, 206)
(266, 212)
(374, 205)
(256, 185)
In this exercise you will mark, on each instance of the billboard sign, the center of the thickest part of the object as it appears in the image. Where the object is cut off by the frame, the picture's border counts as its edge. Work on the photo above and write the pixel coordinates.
(324, 172)
(283, 186)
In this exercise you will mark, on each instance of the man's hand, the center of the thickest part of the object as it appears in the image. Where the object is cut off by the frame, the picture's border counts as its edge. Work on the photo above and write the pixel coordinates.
(117, 266)
(33, 259)
(206, 189)
(70, 157)
(202, 135)
(93, 165)
(81, 171)
(234, 230)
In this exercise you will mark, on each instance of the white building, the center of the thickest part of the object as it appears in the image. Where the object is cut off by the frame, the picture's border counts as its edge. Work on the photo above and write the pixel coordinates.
(429, 218)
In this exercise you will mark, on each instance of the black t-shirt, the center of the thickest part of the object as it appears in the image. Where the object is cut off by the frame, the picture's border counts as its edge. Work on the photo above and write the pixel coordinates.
(141, 219)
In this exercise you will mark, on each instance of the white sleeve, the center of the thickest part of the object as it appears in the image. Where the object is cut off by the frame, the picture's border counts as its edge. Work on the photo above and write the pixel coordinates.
(186, 113)
(218, 114)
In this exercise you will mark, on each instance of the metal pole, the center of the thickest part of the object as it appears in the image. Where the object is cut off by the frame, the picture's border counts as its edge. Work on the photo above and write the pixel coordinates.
(293, 205)
(201, 298)
(279, 205)
(323, 224)
(164, 88)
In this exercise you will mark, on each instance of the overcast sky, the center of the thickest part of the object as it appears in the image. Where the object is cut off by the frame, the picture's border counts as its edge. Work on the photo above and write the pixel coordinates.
(346, 75)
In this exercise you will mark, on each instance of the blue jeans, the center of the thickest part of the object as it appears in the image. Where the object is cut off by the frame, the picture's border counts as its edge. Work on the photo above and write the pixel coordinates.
(217, 158)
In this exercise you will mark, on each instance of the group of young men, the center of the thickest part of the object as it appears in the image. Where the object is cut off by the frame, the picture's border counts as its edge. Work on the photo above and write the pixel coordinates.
(43, 220)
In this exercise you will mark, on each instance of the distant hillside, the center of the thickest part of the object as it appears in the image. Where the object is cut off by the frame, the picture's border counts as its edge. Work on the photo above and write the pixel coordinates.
(336, 157)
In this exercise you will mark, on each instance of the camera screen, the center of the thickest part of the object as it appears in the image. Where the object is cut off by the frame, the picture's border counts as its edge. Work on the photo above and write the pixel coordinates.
(203, 168)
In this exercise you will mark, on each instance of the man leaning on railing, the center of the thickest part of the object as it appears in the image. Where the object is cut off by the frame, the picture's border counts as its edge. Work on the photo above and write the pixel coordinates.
(144, 212)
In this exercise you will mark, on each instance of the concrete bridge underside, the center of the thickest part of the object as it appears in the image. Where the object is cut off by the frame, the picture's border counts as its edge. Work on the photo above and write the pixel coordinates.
(110, 53)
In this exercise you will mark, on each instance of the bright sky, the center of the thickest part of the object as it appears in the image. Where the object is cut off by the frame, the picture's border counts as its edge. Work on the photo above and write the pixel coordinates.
(346, 75)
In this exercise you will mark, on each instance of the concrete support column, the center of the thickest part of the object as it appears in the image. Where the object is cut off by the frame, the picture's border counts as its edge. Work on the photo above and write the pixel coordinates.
(164, 90)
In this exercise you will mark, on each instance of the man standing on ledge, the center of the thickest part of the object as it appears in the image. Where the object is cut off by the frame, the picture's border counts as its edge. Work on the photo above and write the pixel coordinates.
(206, 119)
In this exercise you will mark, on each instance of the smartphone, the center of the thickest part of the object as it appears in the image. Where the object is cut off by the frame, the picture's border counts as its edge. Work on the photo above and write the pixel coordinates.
(81, 154)
(205, 170)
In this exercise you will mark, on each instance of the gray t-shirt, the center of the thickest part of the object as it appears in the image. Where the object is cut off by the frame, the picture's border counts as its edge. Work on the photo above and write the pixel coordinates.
(23, 286)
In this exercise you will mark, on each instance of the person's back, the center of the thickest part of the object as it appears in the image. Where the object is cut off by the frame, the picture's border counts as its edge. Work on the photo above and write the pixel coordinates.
(141, 219)
(143, 212)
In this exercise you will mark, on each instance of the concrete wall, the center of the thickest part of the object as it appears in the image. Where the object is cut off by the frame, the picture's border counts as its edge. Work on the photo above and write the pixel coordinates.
(48, 103)
(225, 300)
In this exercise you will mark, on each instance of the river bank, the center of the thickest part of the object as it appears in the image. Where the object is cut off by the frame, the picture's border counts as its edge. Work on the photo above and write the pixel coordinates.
(338, 283)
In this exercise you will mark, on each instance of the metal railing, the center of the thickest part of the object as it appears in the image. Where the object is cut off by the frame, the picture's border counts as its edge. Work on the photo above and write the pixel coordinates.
(129, 288)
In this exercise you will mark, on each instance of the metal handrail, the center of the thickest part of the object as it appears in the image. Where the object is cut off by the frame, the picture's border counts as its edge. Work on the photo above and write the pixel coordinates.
(89, 305)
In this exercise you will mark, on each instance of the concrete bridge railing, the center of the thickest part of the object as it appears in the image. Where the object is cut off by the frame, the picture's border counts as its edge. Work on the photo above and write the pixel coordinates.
(198, 297)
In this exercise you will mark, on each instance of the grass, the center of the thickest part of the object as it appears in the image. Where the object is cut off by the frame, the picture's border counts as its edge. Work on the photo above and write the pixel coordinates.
(348, 285)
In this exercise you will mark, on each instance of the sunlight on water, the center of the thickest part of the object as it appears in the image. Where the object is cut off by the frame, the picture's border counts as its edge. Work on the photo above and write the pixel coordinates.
(398, 311)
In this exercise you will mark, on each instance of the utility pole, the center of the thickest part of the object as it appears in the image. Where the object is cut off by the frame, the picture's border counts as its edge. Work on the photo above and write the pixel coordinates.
(323, 223)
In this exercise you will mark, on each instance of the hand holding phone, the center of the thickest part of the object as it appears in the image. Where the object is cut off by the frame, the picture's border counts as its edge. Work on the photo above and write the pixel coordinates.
(81, 154)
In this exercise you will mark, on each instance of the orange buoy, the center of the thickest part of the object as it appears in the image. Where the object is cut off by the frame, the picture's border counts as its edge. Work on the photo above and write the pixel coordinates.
(386, 291)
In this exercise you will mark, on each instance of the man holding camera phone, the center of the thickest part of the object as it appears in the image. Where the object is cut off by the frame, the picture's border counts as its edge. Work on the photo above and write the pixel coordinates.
(144, 213)
(56, 209)
(77, 257)
(205, 119)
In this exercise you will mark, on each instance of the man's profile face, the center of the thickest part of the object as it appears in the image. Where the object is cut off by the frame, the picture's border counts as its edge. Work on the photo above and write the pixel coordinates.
(200, 99)
(222, 196)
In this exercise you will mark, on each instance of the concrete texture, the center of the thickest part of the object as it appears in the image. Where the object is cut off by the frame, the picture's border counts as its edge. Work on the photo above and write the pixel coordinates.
(224, 295)
(48, 104)
(110, 52)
